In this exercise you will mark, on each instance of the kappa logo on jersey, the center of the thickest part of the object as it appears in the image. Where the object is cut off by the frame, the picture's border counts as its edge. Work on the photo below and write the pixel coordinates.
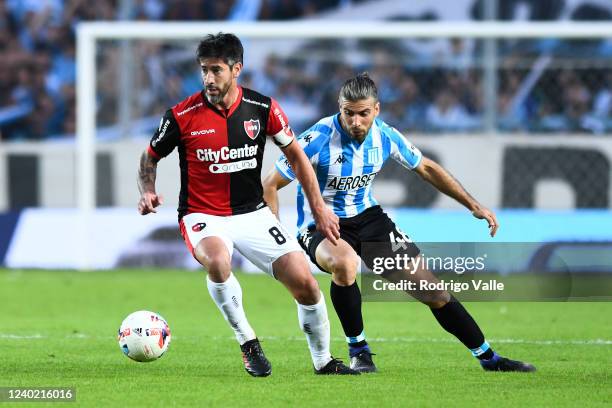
(198, 227)
(252, 128)
(341, 159)
(308, 138)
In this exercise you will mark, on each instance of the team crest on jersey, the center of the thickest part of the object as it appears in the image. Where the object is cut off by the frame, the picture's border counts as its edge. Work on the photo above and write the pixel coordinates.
(252, 127)
(374, 156)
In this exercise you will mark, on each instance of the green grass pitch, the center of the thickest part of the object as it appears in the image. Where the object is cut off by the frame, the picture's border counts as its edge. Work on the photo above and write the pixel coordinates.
(59, 329)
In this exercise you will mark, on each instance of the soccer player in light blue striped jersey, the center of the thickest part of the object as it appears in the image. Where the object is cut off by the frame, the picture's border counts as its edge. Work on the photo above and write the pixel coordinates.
(347, 150)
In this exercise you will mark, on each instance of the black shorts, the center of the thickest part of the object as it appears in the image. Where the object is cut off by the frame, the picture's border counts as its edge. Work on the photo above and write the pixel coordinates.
(371, 226)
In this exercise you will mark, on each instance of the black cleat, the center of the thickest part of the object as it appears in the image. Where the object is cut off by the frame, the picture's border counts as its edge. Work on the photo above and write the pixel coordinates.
(336, 367)
(499, 363)
(255, 361)
(363, 363)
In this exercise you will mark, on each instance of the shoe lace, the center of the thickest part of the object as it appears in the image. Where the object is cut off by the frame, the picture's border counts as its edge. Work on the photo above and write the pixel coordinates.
(337, 364)
(365, 354)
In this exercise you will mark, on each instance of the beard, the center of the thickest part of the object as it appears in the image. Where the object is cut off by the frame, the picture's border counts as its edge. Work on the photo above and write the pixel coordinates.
(218, 98)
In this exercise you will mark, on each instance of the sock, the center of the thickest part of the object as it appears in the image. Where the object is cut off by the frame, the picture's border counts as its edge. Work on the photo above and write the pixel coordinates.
(490, 362)
(228, 297)
(354, 349)
(315, 324)
(457, 321)
(347, 302)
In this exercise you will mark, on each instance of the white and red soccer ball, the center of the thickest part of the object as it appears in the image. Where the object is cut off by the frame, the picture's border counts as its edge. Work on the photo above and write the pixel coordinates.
(144, 336)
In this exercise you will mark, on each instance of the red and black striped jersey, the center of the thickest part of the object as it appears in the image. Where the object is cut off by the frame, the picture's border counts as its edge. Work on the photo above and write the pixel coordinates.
(221, 152)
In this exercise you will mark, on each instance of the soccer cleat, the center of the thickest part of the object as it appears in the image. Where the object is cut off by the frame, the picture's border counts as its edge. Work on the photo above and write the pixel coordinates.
(255, 361)
(336, 367)
(362, 362)
(499, 363)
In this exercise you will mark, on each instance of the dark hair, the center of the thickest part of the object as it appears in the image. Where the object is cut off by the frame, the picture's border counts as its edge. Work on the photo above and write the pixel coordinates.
(225, 46)
(359, 87)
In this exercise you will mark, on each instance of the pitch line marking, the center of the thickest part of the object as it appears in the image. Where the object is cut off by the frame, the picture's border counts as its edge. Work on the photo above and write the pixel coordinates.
(585, 342)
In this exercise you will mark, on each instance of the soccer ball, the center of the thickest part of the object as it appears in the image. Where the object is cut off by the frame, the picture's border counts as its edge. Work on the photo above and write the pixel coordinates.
(144, 336)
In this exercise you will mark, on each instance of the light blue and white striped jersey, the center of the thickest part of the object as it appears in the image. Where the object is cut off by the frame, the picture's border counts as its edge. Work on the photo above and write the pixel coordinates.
(345, 169)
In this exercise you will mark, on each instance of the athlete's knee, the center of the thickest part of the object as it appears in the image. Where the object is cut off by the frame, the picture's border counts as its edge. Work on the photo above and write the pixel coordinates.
(218, 265)
(344, 269)
(306, 291)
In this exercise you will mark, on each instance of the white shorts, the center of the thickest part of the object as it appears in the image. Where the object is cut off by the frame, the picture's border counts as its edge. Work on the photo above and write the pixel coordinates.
(258, 235)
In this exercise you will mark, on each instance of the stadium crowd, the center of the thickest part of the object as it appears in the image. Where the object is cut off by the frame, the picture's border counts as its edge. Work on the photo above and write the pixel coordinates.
(436, 86)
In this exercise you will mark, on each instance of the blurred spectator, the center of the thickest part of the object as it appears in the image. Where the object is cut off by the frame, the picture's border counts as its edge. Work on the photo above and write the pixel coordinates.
(408, 111)
(602, 106)
(456, 54)
(148, 9)
(424, 84)
(447, 114)
(512, 113)
(269, 76)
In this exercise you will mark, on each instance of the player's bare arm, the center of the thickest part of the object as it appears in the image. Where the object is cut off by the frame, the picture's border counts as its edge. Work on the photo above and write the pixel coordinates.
(441, 179)
(326, 221)
(271, 184)
(147, 172)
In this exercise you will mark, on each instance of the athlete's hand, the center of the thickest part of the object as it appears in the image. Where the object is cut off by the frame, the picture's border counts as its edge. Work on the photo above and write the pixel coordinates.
(483, 213)
(328, 224)
(148, 202)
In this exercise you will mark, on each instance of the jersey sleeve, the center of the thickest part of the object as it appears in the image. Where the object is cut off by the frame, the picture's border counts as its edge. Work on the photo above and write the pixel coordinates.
(278, 126)
(284, 168)
(402, 151)
(166, 137)
(311, 141)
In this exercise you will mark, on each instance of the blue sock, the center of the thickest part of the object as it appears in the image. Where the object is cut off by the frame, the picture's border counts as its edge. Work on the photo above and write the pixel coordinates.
(356, 349)
(484, 352)
(492, 362)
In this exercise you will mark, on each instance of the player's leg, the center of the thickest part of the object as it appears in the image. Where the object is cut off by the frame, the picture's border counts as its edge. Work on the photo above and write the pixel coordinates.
(292, 270)
(268, 245)
(447, 310)
(456, 320)
(342, 262)
(377, 227)
(213, 251)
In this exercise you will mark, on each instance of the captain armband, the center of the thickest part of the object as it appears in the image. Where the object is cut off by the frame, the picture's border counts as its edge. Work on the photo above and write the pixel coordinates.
(284, 137)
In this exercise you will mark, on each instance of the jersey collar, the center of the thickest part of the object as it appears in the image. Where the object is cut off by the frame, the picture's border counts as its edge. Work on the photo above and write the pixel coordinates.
(228, 112)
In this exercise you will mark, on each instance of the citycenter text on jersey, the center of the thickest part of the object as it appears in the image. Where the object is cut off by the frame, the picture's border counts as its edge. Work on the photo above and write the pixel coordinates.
(225, 153)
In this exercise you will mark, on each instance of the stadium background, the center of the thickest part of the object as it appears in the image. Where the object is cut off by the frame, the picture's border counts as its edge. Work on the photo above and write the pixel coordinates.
(524, 124)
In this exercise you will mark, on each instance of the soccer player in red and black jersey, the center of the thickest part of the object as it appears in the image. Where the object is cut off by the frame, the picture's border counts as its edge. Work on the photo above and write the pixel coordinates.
(220, 133)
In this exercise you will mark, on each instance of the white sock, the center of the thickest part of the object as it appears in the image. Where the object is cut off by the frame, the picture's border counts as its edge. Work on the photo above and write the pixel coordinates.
(228, 297)
(315, 324)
